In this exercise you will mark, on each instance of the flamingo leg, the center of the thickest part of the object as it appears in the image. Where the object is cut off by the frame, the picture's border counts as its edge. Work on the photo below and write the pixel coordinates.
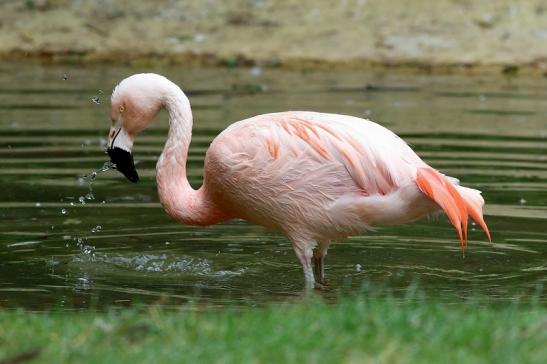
(319, 266)
(319, 254)
(304, 252)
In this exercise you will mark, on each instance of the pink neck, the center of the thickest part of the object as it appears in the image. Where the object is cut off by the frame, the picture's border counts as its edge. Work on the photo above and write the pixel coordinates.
(178, 198)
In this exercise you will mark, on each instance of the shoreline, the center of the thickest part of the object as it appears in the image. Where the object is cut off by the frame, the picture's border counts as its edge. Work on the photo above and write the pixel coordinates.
(531, 69)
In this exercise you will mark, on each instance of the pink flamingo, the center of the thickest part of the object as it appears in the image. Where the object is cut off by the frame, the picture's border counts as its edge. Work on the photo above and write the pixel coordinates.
(316, 177)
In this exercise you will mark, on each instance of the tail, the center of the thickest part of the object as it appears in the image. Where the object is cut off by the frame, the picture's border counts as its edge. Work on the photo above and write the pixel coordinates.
(457, 202)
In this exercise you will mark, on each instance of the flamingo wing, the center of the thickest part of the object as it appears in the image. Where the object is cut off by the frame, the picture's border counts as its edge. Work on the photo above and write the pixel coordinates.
(377, 160)
(369, 177)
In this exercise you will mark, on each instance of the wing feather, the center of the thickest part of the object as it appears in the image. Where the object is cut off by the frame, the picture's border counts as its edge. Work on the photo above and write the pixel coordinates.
(376, 159)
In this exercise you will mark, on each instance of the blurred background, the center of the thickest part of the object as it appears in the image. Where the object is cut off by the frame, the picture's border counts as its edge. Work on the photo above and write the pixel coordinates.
(504, 35)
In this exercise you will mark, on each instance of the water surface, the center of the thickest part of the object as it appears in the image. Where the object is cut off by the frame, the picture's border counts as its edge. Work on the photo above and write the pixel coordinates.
(62, 247)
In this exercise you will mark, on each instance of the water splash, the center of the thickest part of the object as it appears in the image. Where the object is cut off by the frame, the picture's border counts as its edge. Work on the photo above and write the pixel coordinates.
(90, 178)
(155, 263)
(87, 251)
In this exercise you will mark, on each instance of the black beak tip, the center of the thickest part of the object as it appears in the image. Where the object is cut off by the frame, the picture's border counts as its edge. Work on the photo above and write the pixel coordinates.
(133, 178)
(124, 163)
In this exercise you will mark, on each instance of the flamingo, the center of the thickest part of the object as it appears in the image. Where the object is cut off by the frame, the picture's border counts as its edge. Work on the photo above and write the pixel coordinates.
(316, 177)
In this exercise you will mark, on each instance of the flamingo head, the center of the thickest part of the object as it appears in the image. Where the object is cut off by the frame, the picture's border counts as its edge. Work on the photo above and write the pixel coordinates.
(133, 105)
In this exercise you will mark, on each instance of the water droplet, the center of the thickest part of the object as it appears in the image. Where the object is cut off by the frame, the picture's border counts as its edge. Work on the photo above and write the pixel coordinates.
(167, 243)
(65, 76)
(82, 200)
(358, 267)
(64, 212)
(37, 204)
(522, 201)
(90, 178)
(96, 229)
(106, 166)
(72, 204)
(96, 100)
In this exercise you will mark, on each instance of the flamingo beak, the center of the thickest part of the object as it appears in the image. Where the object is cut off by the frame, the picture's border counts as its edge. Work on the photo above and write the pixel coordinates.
(119, 151)
(123, 160)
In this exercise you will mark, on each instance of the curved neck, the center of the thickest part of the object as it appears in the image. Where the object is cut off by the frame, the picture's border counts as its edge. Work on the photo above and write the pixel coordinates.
(178, 198)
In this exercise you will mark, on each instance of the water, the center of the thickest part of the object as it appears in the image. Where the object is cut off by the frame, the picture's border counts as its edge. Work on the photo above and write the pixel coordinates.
(71, 239)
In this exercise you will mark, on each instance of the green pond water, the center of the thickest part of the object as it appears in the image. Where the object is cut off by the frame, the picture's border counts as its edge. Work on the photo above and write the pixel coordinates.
(66, 245)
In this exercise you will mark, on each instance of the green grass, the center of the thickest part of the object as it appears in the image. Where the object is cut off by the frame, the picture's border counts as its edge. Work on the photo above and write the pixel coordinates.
(357, 330)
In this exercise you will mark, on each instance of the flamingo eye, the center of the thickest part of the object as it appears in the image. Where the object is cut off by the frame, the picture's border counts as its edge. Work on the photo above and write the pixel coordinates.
(122, 108)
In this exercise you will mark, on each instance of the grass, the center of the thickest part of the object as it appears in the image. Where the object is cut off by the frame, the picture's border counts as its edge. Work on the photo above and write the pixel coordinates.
(355, 330)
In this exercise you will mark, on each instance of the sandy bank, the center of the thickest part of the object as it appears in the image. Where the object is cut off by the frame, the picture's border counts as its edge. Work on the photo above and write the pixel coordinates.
(432, 35)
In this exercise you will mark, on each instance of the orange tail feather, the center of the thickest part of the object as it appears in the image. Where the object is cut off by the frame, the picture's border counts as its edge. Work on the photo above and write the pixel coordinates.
(455, 203)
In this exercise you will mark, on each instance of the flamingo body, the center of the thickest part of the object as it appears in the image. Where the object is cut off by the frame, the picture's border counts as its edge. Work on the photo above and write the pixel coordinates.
(307, 174)
(316, 177)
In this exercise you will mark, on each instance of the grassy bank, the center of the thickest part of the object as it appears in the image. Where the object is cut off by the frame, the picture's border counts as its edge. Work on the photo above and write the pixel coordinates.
(353, 330)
